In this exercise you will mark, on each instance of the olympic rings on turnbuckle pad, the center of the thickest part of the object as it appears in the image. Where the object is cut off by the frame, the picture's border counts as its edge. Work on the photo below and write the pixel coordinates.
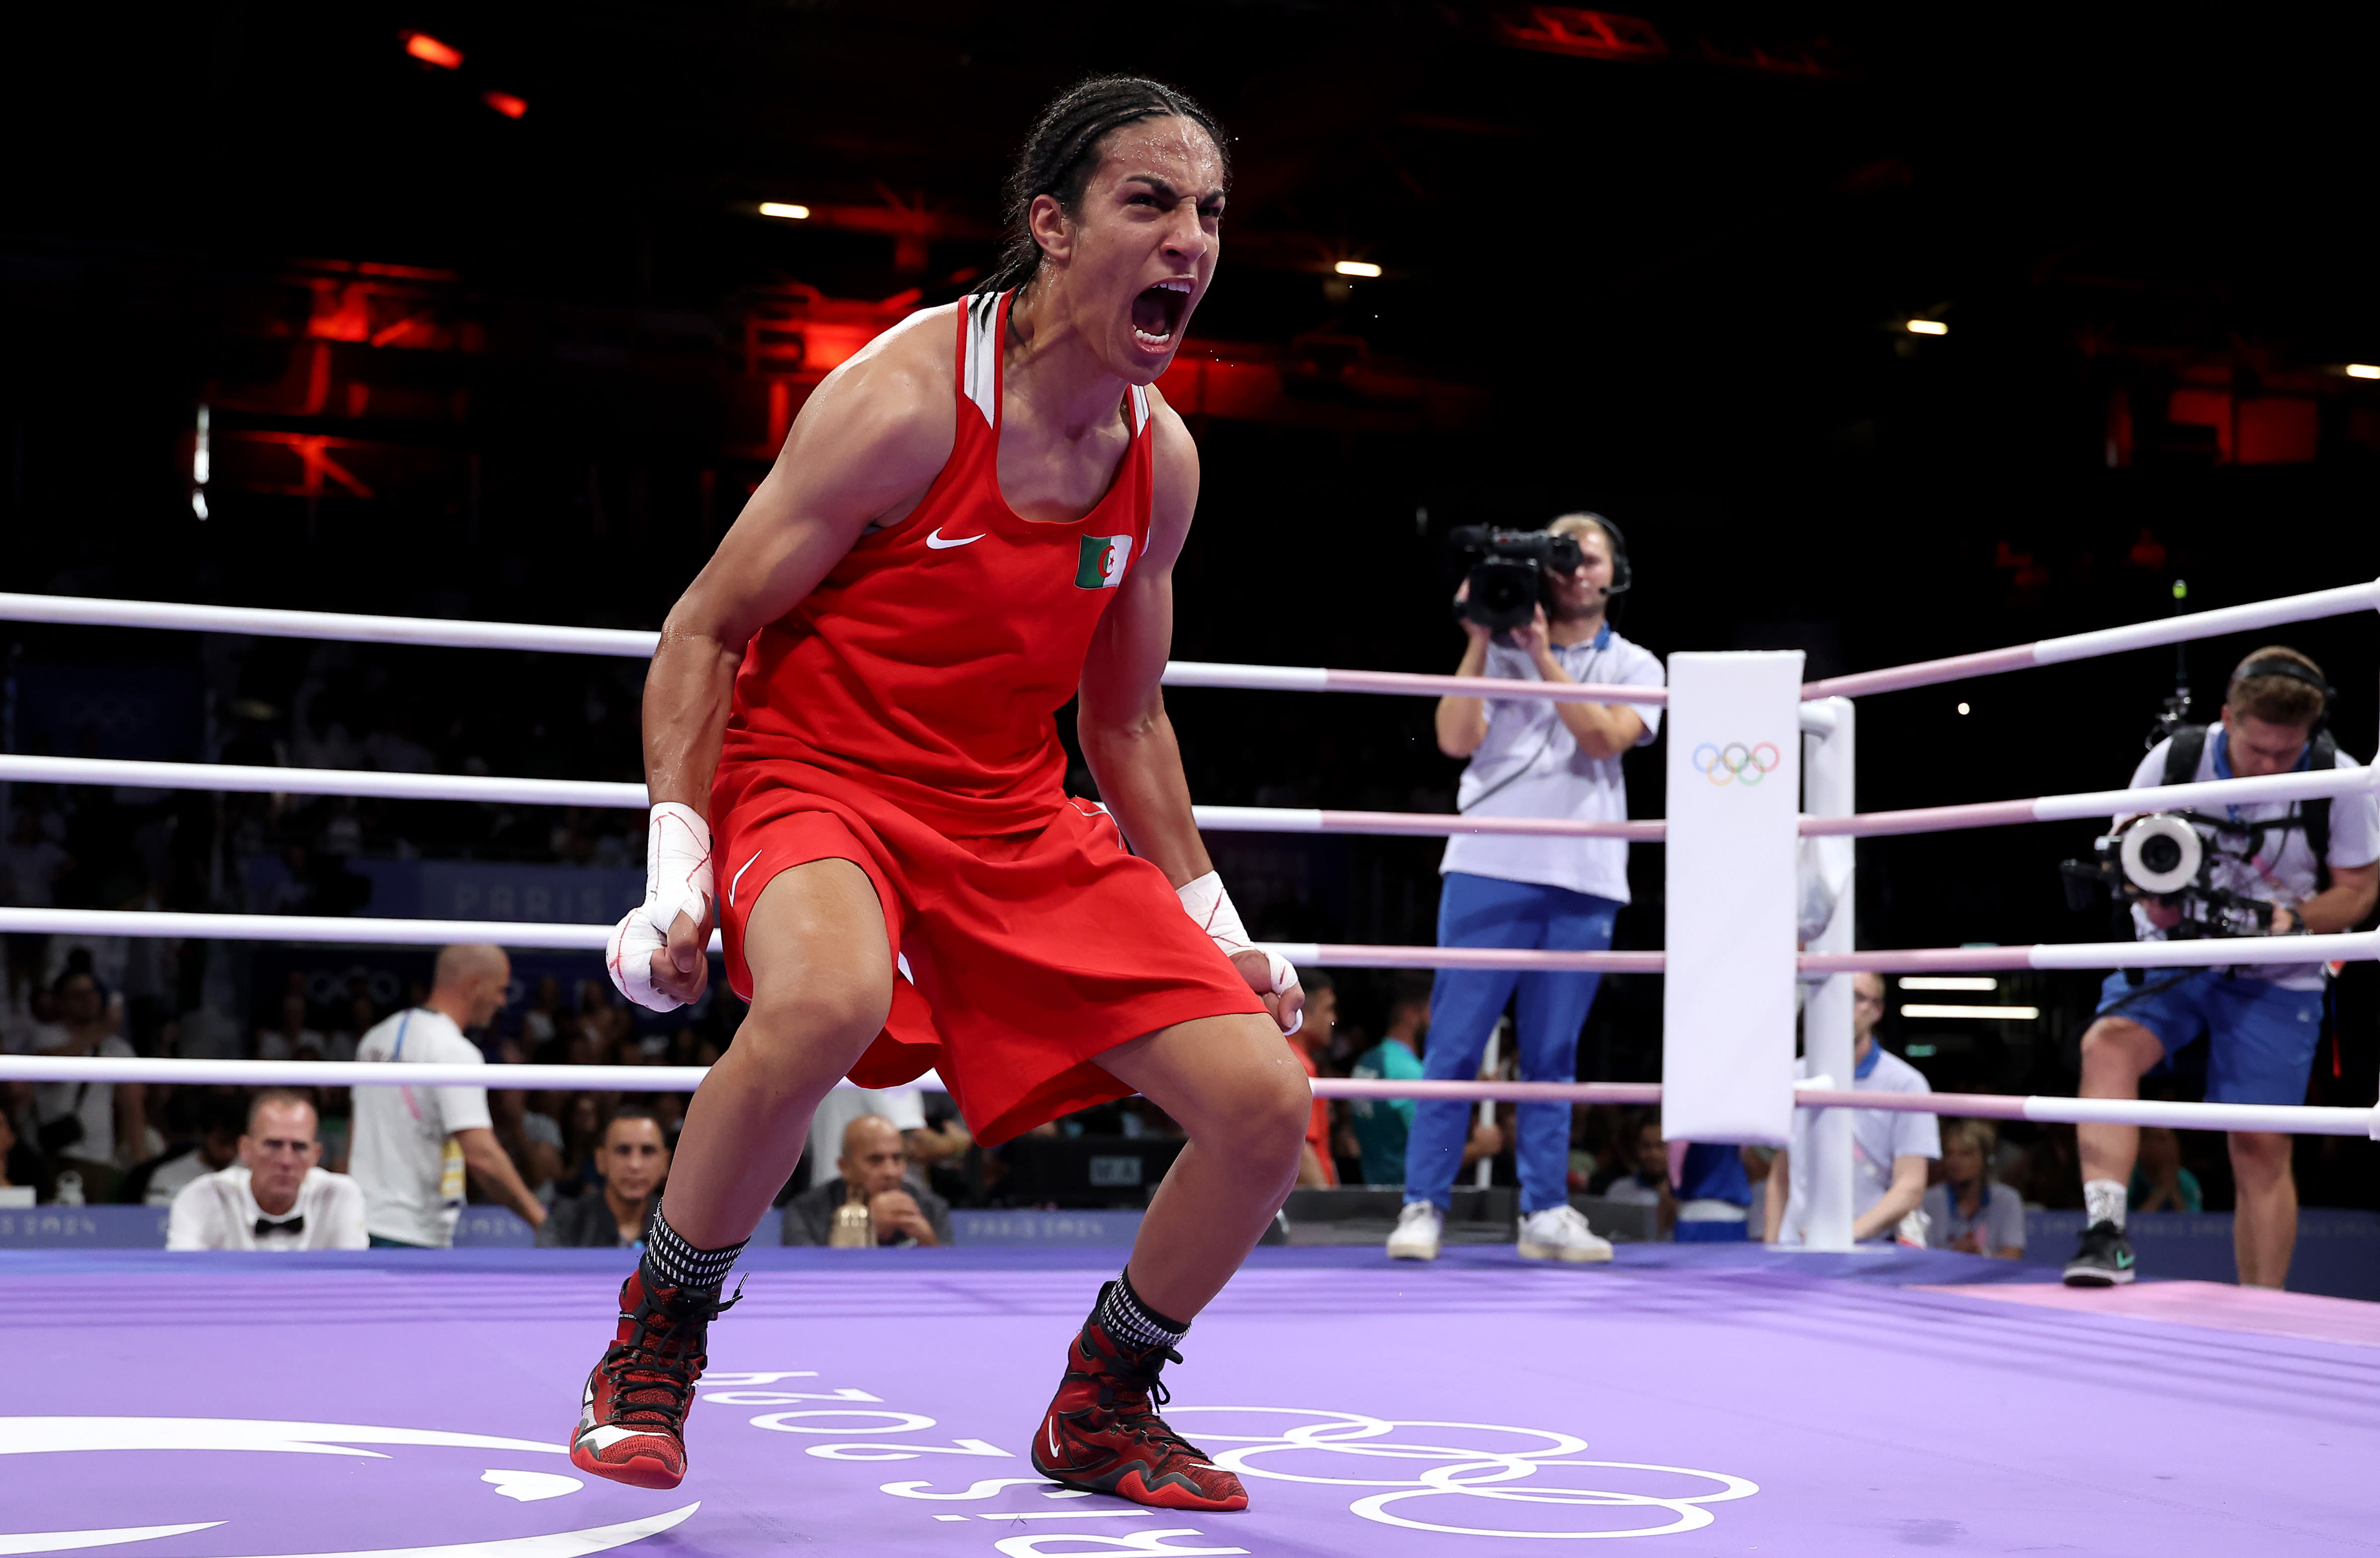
(1470, 1467)
(1735, 762)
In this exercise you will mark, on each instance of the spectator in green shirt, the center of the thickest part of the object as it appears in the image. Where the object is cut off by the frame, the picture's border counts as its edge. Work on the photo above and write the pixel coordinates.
(1381, 1124)
(2159, 1182)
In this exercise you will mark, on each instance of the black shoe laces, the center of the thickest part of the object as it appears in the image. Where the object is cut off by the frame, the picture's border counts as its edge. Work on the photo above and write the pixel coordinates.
(668, 1365)
(1135, 1407)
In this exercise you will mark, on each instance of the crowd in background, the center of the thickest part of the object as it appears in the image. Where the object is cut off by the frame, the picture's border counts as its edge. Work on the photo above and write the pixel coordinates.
(141, 1144)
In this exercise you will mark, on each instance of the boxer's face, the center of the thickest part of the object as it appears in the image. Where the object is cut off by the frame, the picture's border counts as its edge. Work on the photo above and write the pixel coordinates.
(1139, 250)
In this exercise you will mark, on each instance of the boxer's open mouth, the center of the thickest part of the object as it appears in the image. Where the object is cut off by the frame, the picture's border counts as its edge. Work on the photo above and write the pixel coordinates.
(1157, 313)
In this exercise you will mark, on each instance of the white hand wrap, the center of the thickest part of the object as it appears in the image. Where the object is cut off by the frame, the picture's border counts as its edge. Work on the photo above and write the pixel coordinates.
(677, 881)
(1206, 902)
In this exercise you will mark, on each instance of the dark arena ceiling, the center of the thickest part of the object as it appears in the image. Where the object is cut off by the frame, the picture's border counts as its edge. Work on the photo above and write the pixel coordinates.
(487, 320)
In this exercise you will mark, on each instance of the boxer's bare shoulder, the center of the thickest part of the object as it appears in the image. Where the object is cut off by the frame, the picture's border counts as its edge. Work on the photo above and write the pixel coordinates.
(882, 425)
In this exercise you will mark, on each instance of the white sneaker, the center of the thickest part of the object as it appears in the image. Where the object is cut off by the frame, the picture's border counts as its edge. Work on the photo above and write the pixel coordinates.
(1415, 1238)
(1560, 1233)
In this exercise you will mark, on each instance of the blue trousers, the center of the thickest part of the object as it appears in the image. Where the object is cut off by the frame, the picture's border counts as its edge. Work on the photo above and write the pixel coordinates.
(1464, 1007)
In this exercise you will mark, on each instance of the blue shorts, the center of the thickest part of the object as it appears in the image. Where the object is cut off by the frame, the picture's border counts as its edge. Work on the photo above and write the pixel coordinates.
(2260, 1037)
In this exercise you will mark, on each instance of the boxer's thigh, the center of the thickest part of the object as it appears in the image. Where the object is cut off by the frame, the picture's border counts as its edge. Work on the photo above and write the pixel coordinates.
(820, 958)
(1227, 1080)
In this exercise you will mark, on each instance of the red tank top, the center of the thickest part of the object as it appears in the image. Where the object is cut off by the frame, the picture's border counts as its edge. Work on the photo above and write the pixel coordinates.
(929, 664)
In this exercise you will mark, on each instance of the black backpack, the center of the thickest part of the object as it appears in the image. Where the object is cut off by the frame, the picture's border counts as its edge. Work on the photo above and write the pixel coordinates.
(2312, 817)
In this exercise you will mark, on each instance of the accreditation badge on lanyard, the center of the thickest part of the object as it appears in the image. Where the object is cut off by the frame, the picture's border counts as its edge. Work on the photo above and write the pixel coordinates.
(450, 1161)
(450, 1173)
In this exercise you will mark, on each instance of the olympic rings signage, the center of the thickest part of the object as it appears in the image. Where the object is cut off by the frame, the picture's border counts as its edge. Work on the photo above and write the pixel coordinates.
(1736, 763)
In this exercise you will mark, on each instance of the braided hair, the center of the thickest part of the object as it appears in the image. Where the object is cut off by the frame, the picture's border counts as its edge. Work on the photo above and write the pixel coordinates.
(1061, 153)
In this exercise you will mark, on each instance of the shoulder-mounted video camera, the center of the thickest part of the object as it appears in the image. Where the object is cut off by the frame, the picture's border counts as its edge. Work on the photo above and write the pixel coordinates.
(2161, 857)
(1508, 584)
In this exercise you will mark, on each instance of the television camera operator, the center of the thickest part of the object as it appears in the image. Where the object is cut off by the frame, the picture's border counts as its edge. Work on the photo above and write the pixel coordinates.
(1536, 610)
(2273, 868)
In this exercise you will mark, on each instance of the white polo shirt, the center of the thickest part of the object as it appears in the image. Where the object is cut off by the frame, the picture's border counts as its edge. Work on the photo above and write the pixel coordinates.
(1530, 767)
(2281, 870)
(219, 1212)
(401, 1149)
(1879, 1136)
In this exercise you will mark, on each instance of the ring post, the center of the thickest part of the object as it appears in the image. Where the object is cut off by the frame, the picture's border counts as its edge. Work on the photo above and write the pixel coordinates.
(1829, 765)
(1734, 791)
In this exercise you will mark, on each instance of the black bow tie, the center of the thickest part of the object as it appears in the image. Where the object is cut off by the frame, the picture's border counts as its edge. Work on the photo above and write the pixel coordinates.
(267, 1225)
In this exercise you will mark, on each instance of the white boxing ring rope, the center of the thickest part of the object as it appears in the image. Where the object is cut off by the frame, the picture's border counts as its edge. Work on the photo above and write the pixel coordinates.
(487, 791)
(1818, 1093)
(625, 644)
(1815, 1094)
(612, 795)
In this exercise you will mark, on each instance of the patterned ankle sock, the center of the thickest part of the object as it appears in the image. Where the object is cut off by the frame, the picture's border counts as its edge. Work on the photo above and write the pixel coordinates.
(670, 1262)
(2102, 1201)
(1134, 1322)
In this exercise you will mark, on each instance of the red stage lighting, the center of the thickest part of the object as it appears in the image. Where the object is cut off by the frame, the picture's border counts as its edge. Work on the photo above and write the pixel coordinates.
(511, 107)
(428, 50)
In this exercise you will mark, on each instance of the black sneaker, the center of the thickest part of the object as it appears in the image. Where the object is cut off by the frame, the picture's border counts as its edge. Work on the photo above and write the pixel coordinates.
(2104, 1261)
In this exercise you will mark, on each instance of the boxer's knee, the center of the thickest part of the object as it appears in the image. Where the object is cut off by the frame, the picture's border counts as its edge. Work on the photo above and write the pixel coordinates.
(821, 965)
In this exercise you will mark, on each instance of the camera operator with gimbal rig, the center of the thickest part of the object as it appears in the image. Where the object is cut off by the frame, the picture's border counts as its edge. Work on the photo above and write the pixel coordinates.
(2270, 868)
(1536, 611)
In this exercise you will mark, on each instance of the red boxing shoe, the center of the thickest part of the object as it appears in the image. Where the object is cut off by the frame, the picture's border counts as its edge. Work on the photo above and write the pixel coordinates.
(1103, 1432)
(631, 1414)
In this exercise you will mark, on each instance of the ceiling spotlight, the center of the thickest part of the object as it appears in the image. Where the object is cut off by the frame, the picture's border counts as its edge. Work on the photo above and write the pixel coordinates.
(511, 107)
(429, 51)
(1962, 709)
(1928, 327)
(2363, 371)
(789, 213)
(1357, 268)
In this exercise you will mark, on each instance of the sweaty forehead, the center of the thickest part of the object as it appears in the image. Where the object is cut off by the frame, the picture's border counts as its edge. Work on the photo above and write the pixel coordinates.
(1176, 150)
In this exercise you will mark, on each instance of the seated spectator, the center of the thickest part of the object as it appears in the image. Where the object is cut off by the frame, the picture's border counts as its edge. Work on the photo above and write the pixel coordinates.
(2159, 1182)
(543, 1020)
(535, 1159)
(904, 1107)
(207, 1032)
(275, 1197)
(1712, 1185)
(1969, 1210)
(292, 1040)
(20, 1167)
(1315, 1166)
(79, 1125)
(1890, 1150)
(361, 1019)
(1645, 1181)
(1381, 1125)
(873, 1163)
(582, 1143)
(217, 1148)
(634, 1160)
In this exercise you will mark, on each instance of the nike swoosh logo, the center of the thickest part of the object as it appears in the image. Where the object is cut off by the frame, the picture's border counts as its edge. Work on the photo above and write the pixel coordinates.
(739, 876)
(1054, 1439)
(937, 544)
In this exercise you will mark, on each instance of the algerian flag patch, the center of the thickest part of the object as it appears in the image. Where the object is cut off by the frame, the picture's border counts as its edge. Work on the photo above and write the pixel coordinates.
(1103, 563)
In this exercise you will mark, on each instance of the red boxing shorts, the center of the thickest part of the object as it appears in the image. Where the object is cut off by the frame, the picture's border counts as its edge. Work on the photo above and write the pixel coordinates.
(1031, 953)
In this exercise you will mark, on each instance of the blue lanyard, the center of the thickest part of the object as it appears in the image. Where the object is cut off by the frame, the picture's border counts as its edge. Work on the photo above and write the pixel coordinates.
(396, 1051)
(1867, 1067)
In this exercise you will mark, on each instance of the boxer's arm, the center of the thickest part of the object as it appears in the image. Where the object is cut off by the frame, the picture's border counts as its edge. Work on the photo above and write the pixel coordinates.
(1128, 740)
(864, 450)
(1120, 720)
